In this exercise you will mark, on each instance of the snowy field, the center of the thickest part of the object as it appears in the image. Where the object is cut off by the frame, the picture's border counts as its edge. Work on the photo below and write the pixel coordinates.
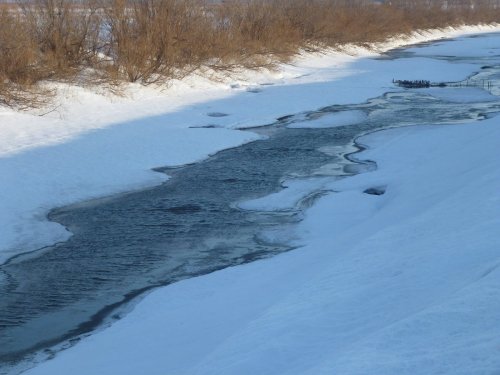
(401, 283)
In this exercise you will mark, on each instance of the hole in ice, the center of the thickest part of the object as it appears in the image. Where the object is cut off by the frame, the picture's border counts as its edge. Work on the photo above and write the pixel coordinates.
(379, 190)
(208, 126)
(217, 114)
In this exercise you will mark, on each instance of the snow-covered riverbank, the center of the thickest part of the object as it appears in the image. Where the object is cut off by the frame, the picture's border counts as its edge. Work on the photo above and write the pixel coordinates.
(382, 281)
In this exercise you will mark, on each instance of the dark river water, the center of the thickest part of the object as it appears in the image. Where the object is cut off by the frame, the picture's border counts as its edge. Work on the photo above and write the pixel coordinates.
(125, 245)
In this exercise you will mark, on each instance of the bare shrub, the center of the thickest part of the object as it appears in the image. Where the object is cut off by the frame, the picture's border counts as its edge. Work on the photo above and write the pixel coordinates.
(19, 68)
(151, 41)
(67, 34)
(148, 41)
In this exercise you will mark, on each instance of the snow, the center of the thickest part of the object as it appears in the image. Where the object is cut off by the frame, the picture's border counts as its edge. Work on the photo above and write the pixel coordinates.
(402, 283)
(461, 47)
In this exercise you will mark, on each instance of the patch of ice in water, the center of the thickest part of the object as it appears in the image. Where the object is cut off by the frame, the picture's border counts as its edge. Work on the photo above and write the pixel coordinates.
(336, 150)
(331, 120)
(460, 94)
(286, 199)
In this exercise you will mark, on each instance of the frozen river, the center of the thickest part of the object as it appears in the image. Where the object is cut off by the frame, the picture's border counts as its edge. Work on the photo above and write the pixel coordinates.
(191, 225)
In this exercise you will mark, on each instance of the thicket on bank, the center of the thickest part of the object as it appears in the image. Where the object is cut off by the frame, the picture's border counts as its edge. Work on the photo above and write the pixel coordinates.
(111, 41)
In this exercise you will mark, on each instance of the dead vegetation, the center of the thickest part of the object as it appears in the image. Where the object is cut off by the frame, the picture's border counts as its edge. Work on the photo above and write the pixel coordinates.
(151, 41)
(19, 70)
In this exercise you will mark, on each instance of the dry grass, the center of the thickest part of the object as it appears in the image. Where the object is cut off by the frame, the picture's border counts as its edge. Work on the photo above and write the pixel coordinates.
(152, 41)
(19, 68)
(67, 37)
